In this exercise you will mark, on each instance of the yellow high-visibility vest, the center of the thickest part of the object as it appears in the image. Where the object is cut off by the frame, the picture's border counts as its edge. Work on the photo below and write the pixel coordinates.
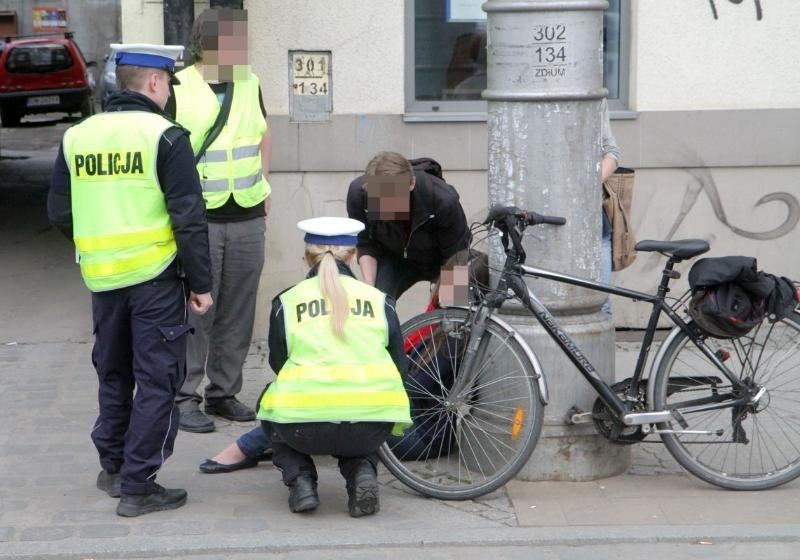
(330, 379)
(121, 227)
(231, 165)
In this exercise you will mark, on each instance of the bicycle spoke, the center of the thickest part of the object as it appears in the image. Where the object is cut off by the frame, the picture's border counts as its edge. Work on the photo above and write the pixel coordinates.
(763, 449)
(465, 445)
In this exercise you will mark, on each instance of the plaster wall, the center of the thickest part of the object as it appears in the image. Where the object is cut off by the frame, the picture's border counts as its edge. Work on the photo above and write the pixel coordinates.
(684, 59)
(365, 38)
(143, 20)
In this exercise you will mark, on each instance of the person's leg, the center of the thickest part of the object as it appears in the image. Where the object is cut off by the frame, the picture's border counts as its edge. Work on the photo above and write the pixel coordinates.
(232, 331)
(359, 465)
(605, 260)
(112, 357)
(244, 453)
(395, 276)
(254, 443)
(297, 468)
(159, 329)
(188, 399)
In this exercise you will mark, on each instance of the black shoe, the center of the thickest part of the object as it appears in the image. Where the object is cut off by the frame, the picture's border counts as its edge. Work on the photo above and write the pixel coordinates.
(133, 505)
(303, 494)
(210, 466)
(109, 483)
(362, 491)
(230, 409)
(196, 422)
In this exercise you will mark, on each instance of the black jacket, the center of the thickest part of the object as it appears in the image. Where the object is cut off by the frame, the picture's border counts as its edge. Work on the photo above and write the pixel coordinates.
(178, 178)
(437, 231)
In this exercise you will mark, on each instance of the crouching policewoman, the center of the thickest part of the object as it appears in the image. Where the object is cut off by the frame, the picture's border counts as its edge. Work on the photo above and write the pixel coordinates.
(337, 349)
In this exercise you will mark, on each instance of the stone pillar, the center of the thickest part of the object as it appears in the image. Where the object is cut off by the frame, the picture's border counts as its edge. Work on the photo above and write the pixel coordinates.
(544, 90)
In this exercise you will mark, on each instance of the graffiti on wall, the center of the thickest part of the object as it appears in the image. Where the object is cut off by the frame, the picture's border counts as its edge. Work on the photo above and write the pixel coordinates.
(701, 181)
(759, 13)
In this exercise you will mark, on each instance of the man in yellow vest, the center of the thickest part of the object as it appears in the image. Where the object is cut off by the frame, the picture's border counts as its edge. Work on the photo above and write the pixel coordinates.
(125, 189)
(219, 101)
(337, 349)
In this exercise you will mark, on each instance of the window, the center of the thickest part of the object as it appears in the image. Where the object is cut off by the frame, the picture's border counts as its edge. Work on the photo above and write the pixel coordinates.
(446, 58)
(39, 58)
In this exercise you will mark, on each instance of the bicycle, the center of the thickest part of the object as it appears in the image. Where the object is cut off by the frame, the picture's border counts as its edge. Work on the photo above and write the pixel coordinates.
(725, 409)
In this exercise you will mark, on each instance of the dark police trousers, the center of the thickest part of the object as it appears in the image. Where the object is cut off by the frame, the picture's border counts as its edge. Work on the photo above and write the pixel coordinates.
(351, 443)
(140, 341)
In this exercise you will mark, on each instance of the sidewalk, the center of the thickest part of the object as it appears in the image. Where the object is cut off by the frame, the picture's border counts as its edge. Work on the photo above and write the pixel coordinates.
(49, 507)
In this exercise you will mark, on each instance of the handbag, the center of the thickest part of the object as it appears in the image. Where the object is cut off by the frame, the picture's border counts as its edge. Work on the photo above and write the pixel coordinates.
(617, 201)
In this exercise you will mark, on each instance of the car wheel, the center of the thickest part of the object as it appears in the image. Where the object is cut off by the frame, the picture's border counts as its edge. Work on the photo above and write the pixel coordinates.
(87, 108)
(9, 116)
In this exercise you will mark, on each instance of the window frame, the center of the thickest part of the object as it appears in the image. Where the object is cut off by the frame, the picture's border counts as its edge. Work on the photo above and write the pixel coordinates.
(466, 111)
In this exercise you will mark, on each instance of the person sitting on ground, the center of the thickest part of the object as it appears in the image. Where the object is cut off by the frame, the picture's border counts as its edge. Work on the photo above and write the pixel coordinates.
(337, 349)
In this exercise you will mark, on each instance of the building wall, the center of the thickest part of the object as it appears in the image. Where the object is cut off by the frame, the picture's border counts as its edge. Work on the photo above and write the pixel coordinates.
(96, 23)
(143, 20)
(688, 60)
(716, 109)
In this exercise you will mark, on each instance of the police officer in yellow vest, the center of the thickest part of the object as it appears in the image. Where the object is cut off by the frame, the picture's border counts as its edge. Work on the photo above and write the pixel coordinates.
(219, 101)
(125, 189)
(336, 347)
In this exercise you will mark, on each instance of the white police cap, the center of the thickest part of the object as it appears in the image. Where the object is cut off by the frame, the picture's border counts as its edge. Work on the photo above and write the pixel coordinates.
(147, 55)
(331, 230)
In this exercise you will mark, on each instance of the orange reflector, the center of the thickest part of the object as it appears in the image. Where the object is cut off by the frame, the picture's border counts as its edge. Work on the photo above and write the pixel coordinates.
(516, 424)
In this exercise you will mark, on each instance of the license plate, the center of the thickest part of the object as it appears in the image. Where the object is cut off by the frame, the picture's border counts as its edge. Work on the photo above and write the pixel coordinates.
(42, 100)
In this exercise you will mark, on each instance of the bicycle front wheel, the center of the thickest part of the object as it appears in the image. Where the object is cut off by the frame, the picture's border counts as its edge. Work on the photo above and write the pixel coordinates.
(463, 446)
(752, 446)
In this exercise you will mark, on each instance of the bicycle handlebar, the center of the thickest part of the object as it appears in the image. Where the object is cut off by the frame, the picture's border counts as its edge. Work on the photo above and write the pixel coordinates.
(499, 214)
(513, 221)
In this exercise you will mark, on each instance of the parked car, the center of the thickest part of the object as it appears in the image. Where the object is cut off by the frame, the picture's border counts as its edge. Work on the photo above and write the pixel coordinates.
(43, 74)
(109, 78)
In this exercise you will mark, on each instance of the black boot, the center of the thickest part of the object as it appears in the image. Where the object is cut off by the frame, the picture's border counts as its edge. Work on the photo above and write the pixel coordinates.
(109, 483)
(133, 505)
(362, 491)
(303, 494)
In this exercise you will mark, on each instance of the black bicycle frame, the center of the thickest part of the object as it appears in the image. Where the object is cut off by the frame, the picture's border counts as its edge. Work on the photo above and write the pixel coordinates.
(512, 278)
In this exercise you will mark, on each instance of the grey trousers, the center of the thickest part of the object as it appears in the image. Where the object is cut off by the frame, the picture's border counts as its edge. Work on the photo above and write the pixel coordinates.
(222, 336)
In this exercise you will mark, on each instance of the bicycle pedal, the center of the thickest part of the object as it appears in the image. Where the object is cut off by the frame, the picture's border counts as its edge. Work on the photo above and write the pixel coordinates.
(577, 416)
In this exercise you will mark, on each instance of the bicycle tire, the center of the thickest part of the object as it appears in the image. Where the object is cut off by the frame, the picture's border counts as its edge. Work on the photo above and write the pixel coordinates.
(753, 447)
(474, 448)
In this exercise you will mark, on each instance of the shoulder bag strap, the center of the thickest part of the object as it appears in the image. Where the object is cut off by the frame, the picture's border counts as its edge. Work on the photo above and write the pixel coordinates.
(219, 123)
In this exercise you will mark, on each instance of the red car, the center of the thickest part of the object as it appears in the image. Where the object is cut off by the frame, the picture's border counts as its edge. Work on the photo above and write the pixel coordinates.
(43, 74)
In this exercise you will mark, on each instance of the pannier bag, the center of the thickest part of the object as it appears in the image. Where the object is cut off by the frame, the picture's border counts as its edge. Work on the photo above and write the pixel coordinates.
(730, 296)
(726, 310)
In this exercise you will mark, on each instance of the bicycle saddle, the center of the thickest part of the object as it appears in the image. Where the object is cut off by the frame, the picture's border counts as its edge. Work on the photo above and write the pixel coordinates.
(681, 249)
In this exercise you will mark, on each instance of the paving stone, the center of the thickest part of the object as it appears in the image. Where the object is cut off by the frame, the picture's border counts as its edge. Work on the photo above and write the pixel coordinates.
(174, 528)
(104, 531)
(78, 516)
(6, 534)
(50, 533)
(241, 525)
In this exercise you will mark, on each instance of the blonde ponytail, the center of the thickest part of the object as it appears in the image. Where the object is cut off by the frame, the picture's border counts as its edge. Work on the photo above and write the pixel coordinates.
(325, 256)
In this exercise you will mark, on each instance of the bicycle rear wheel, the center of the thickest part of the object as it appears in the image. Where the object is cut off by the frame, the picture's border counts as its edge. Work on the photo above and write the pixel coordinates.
(749, 447)
(462, 448)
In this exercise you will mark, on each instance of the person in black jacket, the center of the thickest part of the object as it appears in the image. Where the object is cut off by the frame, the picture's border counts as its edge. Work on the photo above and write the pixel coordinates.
(141, 234)
(414, 223)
